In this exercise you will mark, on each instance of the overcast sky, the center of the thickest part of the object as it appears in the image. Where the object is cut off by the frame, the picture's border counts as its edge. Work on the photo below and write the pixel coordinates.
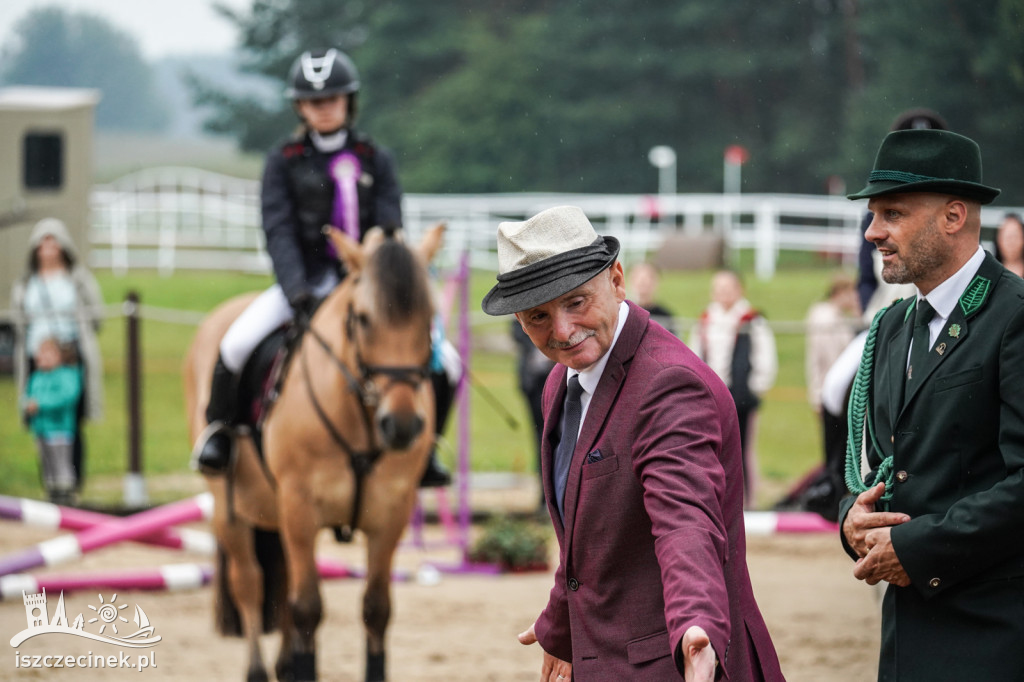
(161, 27)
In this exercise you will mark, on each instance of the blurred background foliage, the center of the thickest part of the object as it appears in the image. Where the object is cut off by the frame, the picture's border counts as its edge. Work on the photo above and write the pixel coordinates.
(532, 95)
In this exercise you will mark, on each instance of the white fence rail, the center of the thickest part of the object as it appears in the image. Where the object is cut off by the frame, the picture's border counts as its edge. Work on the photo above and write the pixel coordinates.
(184, 218)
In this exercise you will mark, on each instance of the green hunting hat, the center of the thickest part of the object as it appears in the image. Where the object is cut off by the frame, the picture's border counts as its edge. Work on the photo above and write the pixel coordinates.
(936, 161)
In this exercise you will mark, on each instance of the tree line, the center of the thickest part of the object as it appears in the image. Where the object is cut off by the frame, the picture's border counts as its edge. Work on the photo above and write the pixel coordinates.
(525, 95)
(536, 95)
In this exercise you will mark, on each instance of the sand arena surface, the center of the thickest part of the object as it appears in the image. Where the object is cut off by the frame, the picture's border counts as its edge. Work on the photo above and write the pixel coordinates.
(825, 624)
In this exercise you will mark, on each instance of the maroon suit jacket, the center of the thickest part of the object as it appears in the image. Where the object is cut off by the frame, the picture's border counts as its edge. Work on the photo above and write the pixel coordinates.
(653, 540)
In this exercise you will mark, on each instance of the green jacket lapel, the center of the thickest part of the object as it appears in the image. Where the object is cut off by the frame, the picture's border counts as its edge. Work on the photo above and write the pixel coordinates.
(956, 328)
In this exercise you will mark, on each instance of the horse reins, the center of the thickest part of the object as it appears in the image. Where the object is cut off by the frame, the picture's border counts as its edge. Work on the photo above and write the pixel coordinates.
(362, 462)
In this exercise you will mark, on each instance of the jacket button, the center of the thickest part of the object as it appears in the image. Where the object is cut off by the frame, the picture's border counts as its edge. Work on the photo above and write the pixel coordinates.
(574, 584)
(934, 582)
(892, 438)
(901, 476)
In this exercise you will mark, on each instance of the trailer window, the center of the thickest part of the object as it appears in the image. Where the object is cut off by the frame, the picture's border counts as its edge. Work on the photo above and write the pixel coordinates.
(44, 161)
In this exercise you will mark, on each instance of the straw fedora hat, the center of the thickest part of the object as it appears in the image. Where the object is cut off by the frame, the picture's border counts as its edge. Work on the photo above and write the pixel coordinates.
(548, 255)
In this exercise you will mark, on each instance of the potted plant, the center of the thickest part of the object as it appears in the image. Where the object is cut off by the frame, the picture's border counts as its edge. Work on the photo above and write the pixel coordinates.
(514, 545)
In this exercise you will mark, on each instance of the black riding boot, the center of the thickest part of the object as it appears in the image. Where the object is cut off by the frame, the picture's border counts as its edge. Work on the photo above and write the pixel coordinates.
(214, 454)
(435, 475)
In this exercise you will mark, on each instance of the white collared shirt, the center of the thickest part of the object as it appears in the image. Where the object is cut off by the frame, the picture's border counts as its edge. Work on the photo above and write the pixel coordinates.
(945, 297)
(591, 376)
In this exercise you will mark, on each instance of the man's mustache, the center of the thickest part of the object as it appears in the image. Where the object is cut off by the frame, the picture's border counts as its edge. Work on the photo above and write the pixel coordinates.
(578, 337)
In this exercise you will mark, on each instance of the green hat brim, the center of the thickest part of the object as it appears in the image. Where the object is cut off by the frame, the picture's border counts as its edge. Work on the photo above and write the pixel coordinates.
(961, 188)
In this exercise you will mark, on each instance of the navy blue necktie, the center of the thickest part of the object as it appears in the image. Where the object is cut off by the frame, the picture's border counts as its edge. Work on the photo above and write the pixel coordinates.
(572, 411)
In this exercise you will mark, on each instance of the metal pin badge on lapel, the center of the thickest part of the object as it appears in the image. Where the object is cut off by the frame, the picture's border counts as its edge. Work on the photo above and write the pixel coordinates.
(941, 348)
(954, 331)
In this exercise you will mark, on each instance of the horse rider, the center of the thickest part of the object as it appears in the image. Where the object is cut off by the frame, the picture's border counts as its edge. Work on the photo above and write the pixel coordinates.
(327, 173)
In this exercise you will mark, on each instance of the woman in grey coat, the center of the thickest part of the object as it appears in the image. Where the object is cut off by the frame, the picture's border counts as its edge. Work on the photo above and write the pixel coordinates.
(57, 297)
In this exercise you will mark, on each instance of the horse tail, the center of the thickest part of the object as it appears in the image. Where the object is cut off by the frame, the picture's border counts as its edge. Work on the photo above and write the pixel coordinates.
(270, 556)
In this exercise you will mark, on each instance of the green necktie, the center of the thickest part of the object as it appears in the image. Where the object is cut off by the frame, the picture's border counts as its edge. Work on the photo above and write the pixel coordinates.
(921, 343)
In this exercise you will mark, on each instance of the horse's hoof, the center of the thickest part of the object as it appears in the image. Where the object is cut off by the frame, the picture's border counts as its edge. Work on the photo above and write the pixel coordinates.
(304, 667)
(283, 670)
(257, 676)
(375, 667)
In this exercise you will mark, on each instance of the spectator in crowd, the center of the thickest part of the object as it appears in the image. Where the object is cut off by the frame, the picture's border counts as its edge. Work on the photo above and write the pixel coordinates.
(1010, 244)
(831, 325)
(51, 404)
(58, 298)
(644, 280)
(532, 368)
(737, 343)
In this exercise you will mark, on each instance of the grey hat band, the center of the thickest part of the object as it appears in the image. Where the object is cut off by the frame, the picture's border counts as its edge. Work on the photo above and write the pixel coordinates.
(560, 265)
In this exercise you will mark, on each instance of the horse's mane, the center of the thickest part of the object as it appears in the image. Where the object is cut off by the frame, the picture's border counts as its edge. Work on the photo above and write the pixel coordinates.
(401, 282)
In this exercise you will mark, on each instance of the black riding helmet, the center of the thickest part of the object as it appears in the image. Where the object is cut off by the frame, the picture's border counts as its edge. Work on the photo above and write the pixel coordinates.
(323, 73)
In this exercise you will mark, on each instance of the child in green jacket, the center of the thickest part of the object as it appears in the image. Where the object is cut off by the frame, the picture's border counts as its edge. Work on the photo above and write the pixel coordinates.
(51, 400)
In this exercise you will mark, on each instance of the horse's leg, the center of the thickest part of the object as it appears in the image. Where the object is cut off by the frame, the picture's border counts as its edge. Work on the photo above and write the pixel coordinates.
(299, 531)
(245, 582)
(377, 598)
(283, 664)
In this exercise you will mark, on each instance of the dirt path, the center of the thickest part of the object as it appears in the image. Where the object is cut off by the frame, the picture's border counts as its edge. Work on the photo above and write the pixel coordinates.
(824, 623)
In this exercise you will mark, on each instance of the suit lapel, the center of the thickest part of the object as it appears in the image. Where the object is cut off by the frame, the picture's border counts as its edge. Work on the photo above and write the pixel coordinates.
(549, 441)
(601, 405)
(952, 334)
(956, 327)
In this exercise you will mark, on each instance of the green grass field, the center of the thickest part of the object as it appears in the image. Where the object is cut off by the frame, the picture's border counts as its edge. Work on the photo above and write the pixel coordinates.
(788, 437)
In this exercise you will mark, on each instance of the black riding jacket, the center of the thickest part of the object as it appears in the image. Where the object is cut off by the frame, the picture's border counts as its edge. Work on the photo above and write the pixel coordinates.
(297, 199)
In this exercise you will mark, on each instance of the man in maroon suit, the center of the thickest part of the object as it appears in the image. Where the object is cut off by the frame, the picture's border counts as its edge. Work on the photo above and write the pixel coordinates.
(642, 473)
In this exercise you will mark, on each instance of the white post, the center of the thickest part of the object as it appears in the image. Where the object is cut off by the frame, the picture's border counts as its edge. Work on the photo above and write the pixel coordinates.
(663, 158)
(732, 177)
(765, 240)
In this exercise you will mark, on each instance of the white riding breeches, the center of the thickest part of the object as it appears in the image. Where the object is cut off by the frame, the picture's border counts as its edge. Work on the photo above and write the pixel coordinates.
(265, 314)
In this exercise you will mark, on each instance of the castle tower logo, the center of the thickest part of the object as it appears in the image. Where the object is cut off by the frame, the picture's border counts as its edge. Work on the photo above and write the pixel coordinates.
(107, 618)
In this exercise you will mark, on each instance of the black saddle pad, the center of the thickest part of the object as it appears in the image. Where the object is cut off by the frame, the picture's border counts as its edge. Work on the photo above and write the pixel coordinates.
(259, 376)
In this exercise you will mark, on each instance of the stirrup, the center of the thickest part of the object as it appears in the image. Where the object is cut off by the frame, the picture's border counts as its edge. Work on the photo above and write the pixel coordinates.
(212, 429)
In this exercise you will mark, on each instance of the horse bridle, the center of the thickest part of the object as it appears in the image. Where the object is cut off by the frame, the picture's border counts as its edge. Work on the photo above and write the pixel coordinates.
(369, 396)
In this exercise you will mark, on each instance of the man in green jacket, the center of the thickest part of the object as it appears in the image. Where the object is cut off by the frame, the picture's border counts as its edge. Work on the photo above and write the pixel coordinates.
(938, 412)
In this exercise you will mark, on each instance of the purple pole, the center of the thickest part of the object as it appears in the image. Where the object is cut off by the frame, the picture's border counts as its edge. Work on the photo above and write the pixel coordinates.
(169, 577)
(770, 523)
(49, 515)
(166, 577)
(465, 342)
(66, 547)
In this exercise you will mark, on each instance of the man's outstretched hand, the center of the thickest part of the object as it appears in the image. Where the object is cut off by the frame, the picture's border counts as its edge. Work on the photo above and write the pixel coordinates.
(552, 669)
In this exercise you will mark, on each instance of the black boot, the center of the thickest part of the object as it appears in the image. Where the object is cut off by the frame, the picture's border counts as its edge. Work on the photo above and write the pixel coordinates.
(213, 454)
(435, 475)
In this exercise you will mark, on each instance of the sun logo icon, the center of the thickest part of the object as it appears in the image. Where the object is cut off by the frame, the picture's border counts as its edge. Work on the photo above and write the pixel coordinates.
(108, 613)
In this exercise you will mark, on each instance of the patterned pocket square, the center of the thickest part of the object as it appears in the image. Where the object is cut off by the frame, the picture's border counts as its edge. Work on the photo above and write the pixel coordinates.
(594, 456)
